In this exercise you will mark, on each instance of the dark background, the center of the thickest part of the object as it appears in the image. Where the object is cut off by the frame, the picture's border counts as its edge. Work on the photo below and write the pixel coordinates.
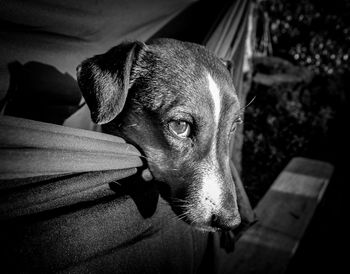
(307, 114)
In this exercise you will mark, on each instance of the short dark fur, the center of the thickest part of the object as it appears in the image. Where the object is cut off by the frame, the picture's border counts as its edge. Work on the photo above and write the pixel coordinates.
(135, 89)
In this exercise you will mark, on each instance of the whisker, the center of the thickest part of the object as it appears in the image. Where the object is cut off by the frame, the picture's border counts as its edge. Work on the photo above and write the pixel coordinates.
(181, 216)
(116, 182)
(133, 125)
(180, 202)
(148, 160)
(242, 109)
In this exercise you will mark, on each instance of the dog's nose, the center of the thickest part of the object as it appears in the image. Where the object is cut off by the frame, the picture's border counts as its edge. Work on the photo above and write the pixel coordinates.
(226, 219)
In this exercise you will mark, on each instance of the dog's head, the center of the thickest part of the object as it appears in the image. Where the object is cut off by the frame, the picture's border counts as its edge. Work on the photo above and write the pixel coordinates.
(177, 103)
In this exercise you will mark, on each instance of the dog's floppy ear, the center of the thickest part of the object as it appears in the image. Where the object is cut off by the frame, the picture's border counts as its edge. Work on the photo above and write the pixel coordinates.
(105, 79)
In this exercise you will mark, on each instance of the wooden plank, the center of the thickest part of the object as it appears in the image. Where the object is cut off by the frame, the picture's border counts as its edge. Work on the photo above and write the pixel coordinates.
(284, 214)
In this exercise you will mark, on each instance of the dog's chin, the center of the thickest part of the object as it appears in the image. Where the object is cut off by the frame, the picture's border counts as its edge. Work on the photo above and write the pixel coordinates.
(205, 221)
(200, 225)
(206, 228)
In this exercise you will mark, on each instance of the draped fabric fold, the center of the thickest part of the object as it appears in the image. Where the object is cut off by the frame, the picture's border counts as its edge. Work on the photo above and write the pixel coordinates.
(30, 148)
(45, 166)
(227, 39)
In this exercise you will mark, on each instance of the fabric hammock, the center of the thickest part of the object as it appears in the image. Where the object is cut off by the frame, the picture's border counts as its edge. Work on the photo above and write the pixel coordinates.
(62, 150)
(63, 204)
(77, 163)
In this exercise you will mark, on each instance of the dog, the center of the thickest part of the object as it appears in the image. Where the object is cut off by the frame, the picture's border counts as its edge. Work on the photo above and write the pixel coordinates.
(177, 103)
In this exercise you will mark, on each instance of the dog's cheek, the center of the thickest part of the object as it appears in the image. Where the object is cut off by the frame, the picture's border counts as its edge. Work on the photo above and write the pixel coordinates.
(177, 176)
(157, 161)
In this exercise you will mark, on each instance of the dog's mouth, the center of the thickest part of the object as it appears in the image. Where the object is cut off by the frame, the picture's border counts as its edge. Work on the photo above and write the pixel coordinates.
(212, 224)
(206, 228)
(196, 222)
(204, 219)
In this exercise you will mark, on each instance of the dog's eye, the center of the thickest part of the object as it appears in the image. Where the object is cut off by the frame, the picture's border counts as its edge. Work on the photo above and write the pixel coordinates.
(180, 128)
(236, 122)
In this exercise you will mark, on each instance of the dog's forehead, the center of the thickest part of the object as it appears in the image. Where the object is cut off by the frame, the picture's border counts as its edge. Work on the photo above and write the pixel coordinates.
(190, 71)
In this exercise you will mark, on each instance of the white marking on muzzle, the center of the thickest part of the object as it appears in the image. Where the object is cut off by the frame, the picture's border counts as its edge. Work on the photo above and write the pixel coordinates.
(215, 94)
(211, 191)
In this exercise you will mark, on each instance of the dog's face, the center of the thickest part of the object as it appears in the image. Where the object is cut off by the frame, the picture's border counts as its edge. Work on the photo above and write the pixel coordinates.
(177, 103)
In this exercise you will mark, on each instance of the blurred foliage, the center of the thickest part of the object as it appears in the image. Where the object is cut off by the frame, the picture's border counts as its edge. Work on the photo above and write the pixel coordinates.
(296, 119)
(285, 121)
(312, 33)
